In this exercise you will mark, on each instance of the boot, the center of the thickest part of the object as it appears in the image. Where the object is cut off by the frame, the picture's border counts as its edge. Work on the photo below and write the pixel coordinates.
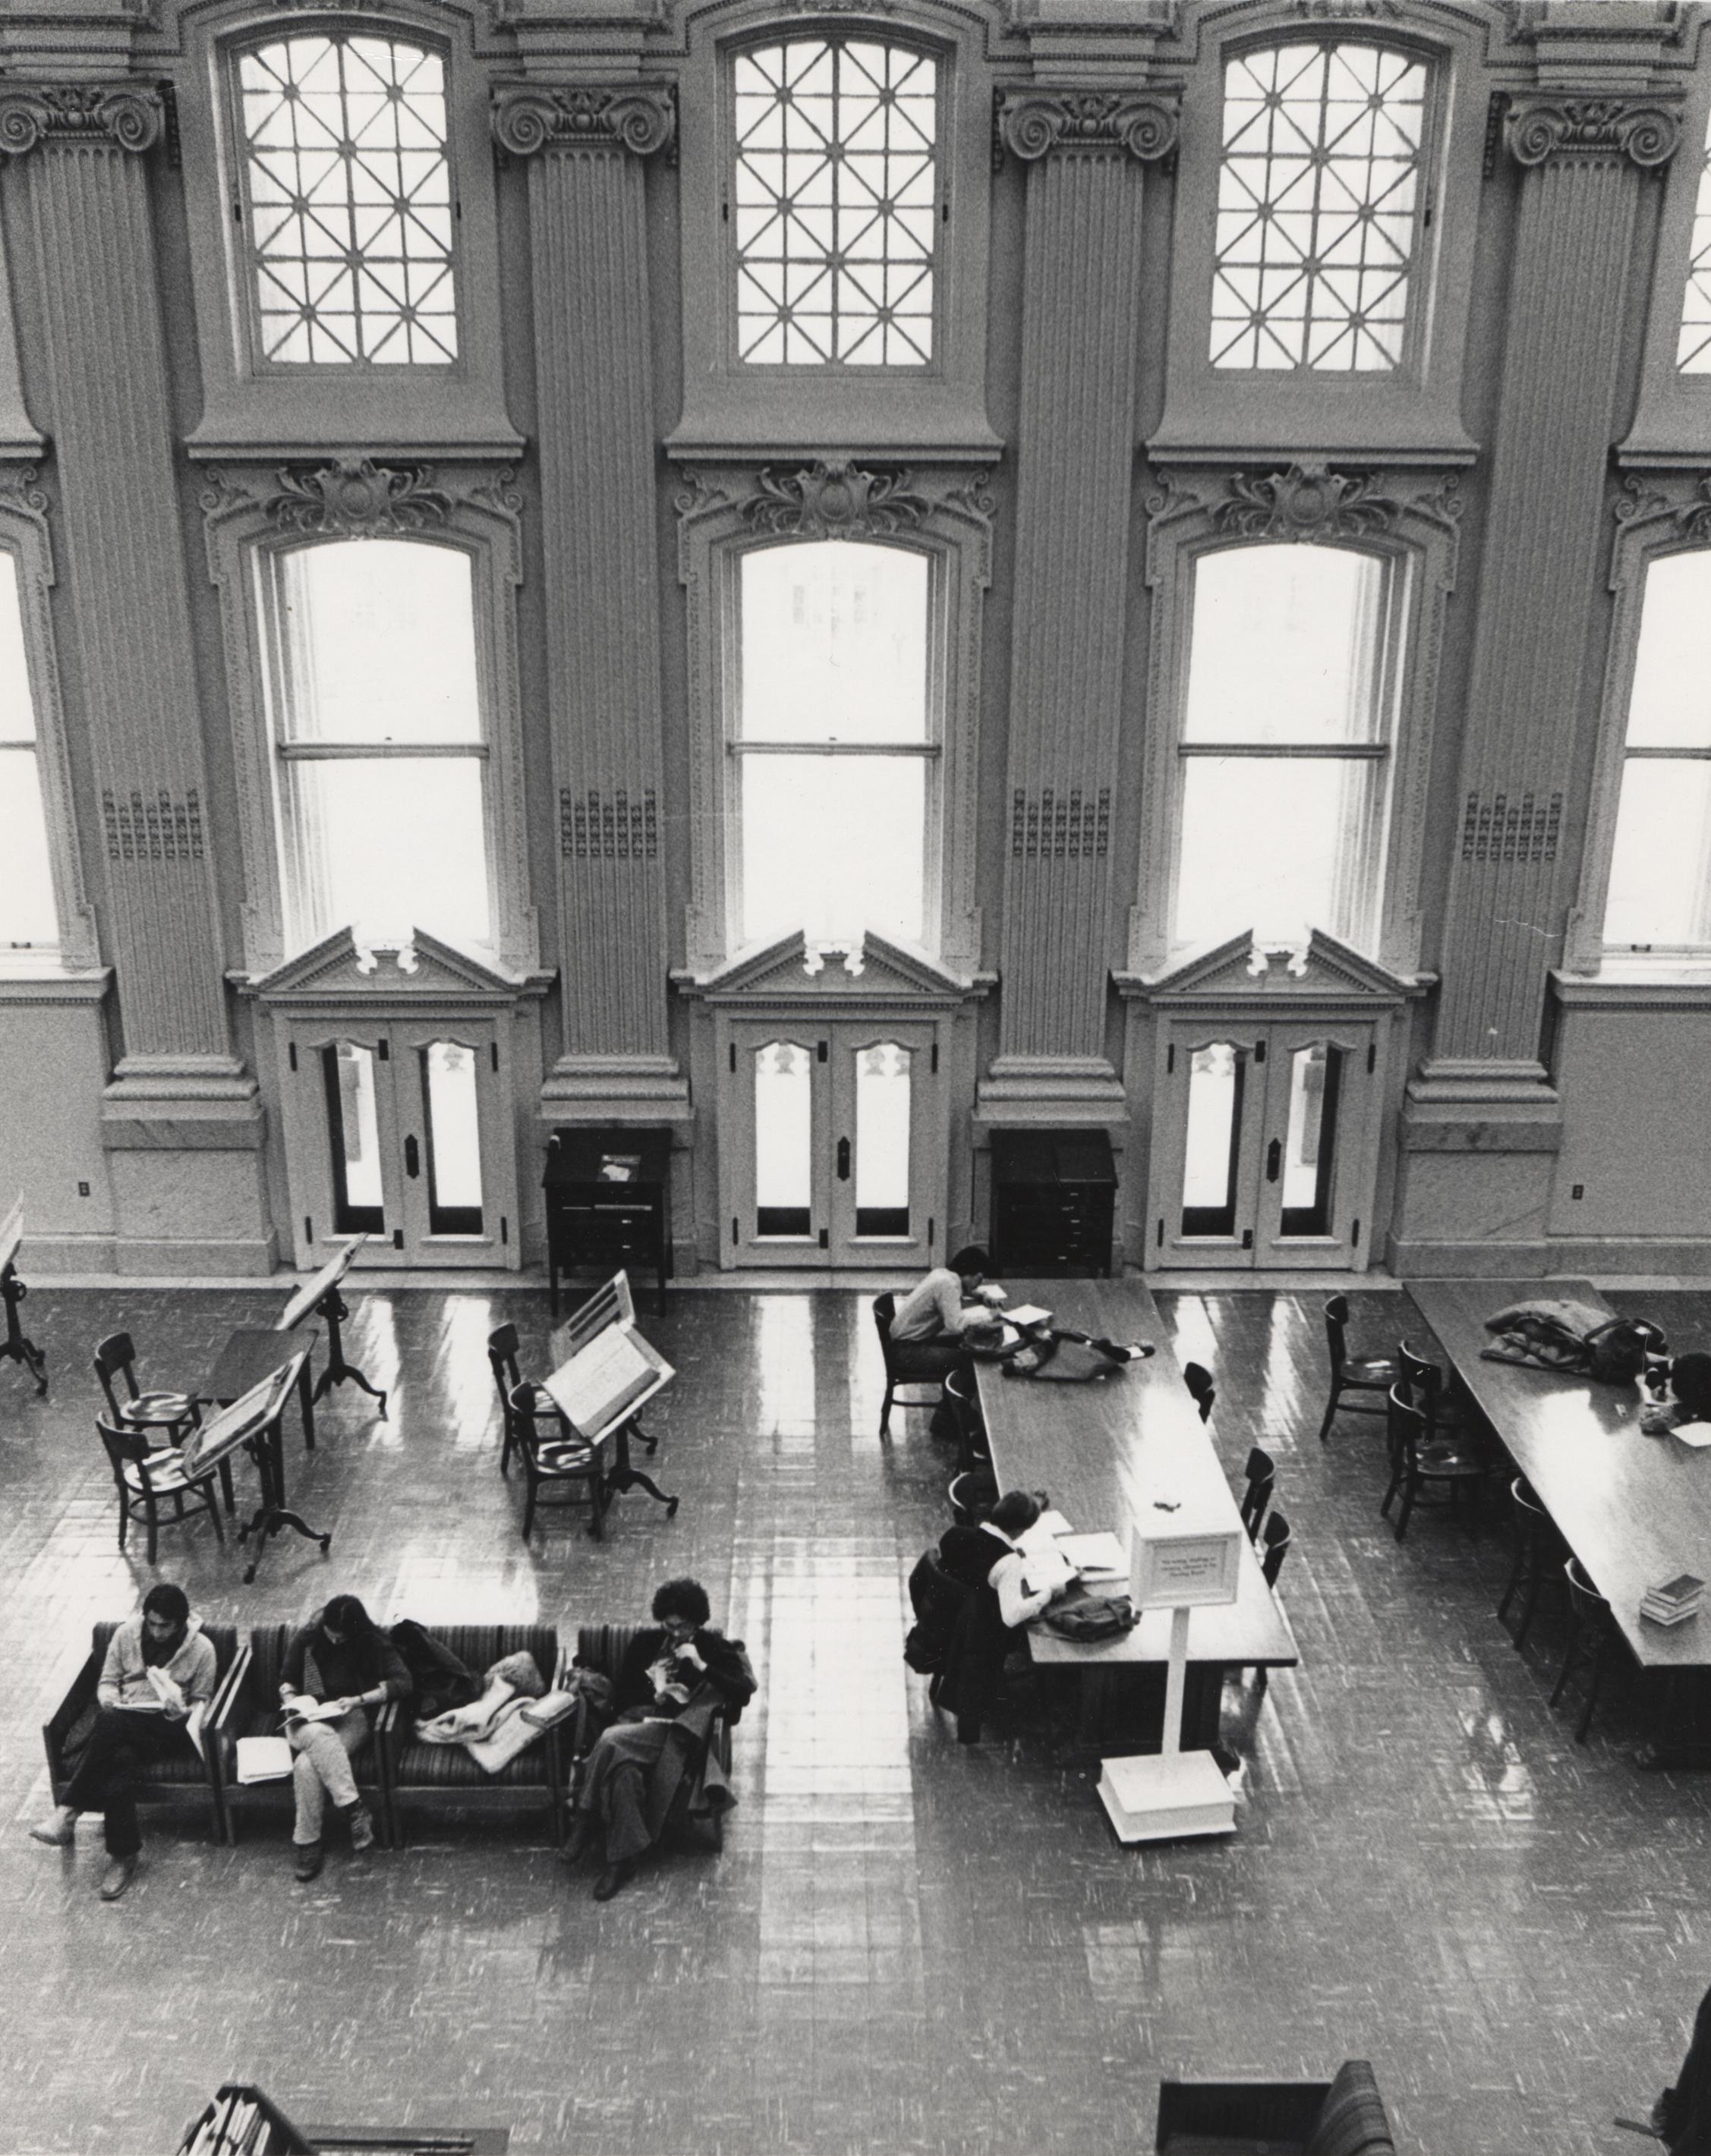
(612, 1878)
(117, 1876)
(577, 1846)
(361, 1826)
(59, 1831)
(309, 1859)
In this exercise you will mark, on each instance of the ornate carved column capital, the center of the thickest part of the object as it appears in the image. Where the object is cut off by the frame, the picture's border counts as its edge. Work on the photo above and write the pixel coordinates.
(1644, 131)
(1033, 124)
(640, 117)
(128, 115)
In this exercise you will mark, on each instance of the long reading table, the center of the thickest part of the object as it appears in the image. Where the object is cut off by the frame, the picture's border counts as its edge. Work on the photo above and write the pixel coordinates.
(1105, 1451)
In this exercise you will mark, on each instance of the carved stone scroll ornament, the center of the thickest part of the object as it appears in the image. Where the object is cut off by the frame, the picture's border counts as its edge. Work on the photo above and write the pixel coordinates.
(838, 501)
(1033, 124)
(128, 115)
(1304, 504)
(640, 117)
(1639, 504)
(358, 499)
(1644, 131)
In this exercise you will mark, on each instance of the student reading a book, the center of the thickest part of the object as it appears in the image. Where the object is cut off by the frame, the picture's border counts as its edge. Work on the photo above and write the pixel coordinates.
(159, 1670)
(1681, 2115)
(991, 1562)
(675, 1675)
(340, 1659)
(928, 1324)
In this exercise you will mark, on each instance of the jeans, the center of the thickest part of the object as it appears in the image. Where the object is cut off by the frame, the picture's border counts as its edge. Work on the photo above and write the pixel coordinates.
(124, 1741)
(322, 1768)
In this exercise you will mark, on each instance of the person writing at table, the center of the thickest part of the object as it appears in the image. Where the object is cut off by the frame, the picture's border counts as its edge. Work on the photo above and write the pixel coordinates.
(340, 1658)
(928, 1324)
(990, 1562)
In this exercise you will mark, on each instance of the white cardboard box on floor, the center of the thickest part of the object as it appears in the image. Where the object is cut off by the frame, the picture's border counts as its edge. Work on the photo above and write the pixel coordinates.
(1159, 1797)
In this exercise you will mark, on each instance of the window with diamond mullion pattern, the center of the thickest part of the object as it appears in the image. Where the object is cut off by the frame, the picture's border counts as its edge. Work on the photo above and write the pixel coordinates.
(1692, 353)
(350, 202)
(1317, 207)
(836, 185)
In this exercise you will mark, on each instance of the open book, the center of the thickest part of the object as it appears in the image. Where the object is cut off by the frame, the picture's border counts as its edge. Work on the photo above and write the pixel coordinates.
(601, 1380)
(299, 1707)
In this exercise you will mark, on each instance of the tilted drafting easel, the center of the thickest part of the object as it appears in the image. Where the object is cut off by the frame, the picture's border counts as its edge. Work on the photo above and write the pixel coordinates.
(321, 1295)
(15, 1346)
(598, 1335)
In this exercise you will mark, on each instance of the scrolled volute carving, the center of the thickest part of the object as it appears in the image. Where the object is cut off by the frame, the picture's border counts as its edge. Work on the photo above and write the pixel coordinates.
(1645, 131)
(356, 498)
(1033, 124)
(1306, 503)
(128, 115)
(529, 118)
(836, 501)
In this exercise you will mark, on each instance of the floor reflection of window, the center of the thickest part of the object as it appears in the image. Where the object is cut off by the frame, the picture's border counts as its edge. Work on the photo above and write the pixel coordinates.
(882, 1140)
(783, 1126)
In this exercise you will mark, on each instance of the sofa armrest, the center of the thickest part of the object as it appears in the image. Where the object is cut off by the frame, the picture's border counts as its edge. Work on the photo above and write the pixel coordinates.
(220, 1731)
(66, 1718)
(1282, 2112)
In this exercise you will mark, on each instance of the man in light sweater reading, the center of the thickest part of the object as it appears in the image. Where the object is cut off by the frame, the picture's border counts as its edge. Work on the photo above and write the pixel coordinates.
(929, 1322)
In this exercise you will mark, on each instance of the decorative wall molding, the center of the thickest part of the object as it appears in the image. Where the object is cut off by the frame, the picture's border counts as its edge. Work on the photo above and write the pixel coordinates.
(124, 115)
(640, 117)
(1060, 827)
(1498, 829)
(835, 500)
(1643, 132)
(1032, 123)
(610, 827)
(250, 511)
(1307, 503)
(152, 828)
(1643, 502)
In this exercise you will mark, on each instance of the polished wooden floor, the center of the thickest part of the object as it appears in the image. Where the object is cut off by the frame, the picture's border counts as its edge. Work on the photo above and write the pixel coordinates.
(905, 1945)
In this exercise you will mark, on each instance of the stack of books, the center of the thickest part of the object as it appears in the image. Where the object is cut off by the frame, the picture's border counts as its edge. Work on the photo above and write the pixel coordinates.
(1674, 1602)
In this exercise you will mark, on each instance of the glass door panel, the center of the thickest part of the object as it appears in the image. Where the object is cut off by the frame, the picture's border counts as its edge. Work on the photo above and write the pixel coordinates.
(1217, 1082)
(353, 1138)
(882, 1086)
(454, 1133)
(1310, 1143)
(783, 1140)
(457, 1156)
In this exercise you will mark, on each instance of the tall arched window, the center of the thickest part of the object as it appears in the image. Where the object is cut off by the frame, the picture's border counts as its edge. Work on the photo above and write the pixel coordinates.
(348, 208)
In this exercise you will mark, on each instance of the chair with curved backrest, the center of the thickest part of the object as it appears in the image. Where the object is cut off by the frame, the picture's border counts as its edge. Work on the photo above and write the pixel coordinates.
(973, 1494)
(1275, 1539)
(1200, 1386)
(1352, 1376)
(1419, 1460)
(905, 1392)
(1261, 1472)
(1540, 1554)
(557, 1461)
(1425, 1385)
(501, 1360)
(1594, 1642)
(144, 1474)
(972, 1447)
(174, 1413)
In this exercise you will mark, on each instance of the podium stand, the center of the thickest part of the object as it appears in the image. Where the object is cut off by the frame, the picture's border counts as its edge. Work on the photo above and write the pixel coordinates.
(15, 1347)
(321, 1295)
(596, 1346)
(1183, 1563)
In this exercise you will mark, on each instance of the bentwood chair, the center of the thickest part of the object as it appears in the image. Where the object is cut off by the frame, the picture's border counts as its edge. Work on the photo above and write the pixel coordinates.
(905, 1392)
(1540, 1554)
(1359, 1382)
(972, 1447)
(561, 1460)
(145, 1475)
(1595, 1643)
(1261, 1471)
(1201, 1387)
(1418, 1459)
(1425, 1384)
(1275, 1539)
(171, 1413)
(501, 1360)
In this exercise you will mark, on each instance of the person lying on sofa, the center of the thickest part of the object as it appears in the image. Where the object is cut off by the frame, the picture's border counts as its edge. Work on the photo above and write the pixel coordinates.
(675, 1675)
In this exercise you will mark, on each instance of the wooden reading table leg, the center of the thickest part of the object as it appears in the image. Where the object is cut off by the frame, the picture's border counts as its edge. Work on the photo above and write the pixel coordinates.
(622, 1476)
(15, 1346)
(334, 1309)
(267, 1449)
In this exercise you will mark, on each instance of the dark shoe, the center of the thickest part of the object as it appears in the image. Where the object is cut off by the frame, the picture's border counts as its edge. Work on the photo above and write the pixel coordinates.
(117, 1876)
(309, 1861)
(361, 1827)
(611, 1879)
(576, 1846)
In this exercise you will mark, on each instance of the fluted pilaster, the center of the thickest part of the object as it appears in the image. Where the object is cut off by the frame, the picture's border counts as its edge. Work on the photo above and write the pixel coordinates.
(1511, 881)
(593, 360)
(93, 263)
(1075, 463)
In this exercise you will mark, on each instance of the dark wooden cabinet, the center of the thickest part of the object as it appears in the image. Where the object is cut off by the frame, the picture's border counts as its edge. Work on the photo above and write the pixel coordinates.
(1054, 1200)
(608, 1204)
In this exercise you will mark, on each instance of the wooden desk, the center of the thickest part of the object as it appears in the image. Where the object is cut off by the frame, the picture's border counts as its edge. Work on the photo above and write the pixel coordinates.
(1635, 1509)
(1105, 1451)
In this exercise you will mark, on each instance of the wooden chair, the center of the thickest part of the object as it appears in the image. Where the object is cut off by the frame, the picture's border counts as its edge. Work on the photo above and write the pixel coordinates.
(1261, 1472)
(1426, 1385)
(250, 1706)
(1352, 1375)
(182, 1781)
(444, 1777)
(973, 1450)
(144, 1474)
(173, 1413)
(501, 1360)
(1201, 1388)
(1275, 1539)
(923, 1392)
(603, 1647)
(1417, 1459)
(560, 1462)
(973, 1494)
(1595, 1643)
(1540, 1554)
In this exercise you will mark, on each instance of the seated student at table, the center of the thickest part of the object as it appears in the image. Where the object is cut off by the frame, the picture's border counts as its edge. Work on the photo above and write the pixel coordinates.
(342, 1656)
(1681, 2115)
(674, 1674)
(989, 1561)
(928, 1324)
(1688, 1398)
(159, 1667)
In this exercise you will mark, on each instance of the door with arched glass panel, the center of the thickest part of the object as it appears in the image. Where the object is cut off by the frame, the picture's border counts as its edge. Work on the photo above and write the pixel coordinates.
(832, 1151)
(1264, 1153)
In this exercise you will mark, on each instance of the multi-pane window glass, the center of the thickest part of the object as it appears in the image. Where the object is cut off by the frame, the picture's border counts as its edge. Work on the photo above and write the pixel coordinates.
(1283, 754)
(1694, 347)
(1660, 869)
(835, 767)
(835, 207)
(350, 203)
(28, 920)
(383, 761)
(1317, 207)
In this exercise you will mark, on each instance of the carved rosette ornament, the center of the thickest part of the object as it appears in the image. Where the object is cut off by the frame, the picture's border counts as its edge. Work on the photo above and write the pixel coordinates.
(125, 115)
(1641, 131)
(1034, 124)
(1306, 503)
(640, 117)
(837, 500)
(356, 498)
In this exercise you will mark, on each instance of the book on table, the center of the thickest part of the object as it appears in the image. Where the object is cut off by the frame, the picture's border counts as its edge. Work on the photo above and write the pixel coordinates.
(1674, 1601)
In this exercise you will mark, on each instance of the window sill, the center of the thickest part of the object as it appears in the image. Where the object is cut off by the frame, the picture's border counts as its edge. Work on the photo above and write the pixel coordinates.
(793, 414)
(1638, 985)
(23, 980)
(1336, 419)
(296, 419)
